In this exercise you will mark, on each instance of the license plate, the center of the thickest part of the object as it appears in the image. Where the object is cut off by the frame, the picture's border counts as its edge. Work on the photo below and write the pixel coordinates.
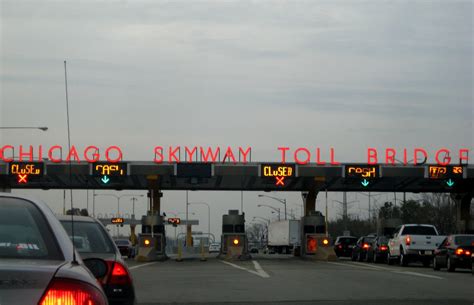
(428, 252)
(350, 246)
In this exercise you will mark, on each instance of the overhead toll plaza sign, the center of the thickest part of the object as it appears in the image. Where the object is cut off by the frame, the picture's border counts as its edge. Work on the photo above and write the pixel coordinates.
(105, 170)
(24, 170)
(278, 172)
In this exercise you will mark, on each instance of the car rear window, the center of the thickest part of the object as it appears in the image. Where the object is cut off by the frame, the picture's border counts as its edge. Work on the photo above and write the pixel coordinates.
(24, 231)
(419, 230)
(121, 242)
(464, 240)
(383, 239)
(347, 240)
(89, 237)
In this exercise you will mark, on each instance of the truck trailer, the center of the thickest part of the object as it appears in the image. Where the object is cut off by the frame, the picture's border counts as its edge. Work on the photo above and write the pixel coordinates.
(283, 236)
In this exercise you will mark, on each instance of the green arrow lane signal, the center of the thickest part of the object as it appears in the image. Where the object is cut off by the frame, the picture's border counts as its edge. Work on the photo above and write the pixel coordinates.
(365, 182)
(105, 179)
(450, 182)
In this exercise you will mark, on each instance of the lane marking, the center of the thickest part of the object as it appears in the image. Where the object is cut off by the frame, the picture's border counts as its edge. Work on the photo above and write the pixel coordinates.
(371, 266)
(365, 267)
(245, 269)
(419, 274)
(142, 265)
(260, 270)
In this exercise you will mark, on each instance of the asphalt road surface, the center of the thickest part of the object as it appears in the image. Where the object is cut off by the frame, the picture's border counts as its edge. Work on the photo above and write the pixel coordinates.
(275, 279)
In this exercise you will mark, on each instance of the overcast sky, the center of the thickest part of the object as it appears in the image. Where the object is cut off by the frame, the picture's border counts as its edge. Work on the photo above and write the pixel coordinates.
(343, 74)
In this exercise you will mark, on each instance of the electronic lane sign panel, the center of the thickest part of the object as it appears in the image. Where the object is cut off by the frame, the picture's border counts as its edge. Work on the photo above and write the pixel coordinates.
(193, 170)
(278, 172)
(24, 170)
(109, 169)
(445, 172)
(363, 172)
(106, 170)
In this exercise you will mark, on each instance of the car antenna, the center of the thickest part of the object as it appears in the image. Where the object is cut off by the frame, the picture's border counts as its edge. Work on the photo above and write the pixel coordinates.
(74, 260)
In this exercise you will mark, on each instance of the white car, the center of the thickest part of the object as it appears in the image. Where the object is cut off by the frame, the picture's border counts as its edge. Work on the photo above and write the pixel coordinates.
(214, 247)
(413, 242)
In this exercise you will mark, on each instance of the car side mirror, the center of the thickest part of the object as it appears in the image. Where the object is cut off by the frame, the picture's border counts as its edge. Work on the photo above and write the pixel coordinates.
(97, 266)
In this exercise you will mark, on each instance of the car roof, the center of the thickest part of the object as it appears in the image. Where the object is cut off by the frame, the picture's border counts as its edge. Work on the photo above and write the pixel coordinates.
(76, 218)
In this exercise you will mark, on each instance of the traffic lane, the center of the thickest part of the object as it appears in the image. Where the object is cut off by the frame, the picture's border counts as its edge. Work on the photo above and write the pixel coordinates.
(291, 281)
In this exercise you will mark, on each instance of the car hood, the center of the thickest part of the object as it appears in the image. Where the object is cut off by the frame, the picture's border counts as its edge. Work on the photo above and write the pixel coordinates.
(25, 281)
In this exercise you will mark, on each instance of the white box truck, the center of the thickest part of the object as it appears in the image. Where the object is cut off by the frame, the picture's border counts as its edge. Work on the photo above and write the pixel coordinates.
(283, 236)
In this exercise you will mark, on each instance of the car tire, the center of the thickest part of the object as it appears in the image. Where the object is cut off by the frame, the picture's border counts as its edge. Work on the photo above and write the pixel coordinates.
(450, 265)
(353, 258)
(359, 257)
(403, 259)
(389, 259)
(375, 260)
(435, 264)
(426, 262)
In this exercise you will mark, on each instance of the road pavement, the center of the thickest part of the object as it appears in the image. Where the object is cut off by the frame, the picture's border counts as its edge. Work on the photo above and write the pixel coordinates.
(279, 279)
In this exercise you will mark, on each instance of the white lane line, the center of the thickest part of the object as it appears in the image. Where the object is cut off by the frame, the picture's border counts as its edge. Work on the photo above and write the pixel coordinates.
(260, 270)
(419, 274)
(371, 266)
(363, 266)
(141, 265)
(350, 265)
(245, 269)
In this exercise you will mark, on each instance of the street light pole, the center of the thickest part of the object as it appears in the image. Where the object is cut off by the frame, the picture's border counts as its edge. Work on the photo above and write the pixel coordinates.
(283, 201)
(273, 208)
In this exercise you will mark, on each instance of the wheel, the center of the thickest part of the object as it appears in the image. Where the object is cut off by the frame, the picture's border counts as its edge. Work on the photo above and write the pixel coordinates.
(367, 258)
(426, 262)
(403, 259)
(353, 258)
(389, 259)
(450, 265)
(375, 260)
(435, 264)
(359, 257)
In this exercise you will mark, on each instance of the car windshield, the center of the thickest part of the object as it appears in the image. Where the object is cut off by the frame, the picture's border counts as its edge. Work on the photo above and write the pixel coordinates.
(467, 240)
(89, 237)
(419, 230)
(24, 232)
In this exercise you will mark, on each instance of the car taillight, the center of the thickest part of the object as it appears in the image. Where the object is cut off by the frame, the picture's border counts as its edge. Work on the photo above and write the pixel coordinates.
(383, 248)
(407, 240)
(365, 246)
(339, 246)
(467, 252)
(118, 274)
(66, 291)
(459, 251)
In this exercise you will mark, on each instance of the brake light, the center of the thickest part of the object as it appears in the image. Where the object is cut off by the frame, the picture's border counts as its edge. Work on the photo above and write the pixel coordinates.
(66, 291)
(118, 274)
(383, 248)
(467, 252)
(459, 251)
(407, 240)
(365, 246)
(339, 246)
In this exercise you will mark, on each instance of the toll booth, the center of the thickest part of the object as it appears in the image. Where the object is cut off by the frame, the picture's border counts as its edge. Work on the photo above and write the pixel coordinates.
(152, 240)
(234, 242)
(314, 241)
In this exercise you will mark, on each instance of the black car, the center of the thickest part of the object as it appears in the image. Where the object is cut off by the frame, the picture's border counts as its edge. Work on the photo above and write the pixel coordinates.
(343, 245)
(93, 241)
(125, 247)
(378, 249)
(359, 252)
(454, 252)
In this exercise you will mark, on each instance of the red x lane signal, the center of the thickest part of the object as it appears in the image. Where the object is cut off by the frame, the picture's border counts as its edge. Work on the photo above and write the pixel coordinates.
(22, 178)
(280, 181)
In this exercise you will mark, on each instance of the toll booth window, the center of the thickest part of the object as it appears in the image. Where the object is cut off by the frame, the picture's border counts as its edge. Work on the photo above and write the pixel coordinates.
(308, 229)
(227, 229)
(239, 229)
(320, 229)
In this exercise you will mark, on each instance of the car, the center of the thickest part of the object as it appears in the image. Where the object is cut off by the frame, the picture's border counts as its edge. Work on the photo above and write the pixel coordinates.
(254, 250)
(454, 252)
(214, 247)
(118, 283)
(359, 252)
(343, 245)
(125, 247)
(413, 242)
(378, 250)
(38, 263)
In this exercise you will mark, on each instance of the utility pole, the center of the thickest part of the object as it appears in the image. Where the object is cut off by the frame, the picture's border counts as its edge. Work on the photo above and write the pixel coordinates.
(344, 209)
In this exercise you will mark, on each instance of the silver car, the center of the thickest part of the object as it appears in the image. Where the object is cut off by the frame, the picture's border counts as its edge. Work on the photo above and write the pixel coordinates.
(37, 265)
